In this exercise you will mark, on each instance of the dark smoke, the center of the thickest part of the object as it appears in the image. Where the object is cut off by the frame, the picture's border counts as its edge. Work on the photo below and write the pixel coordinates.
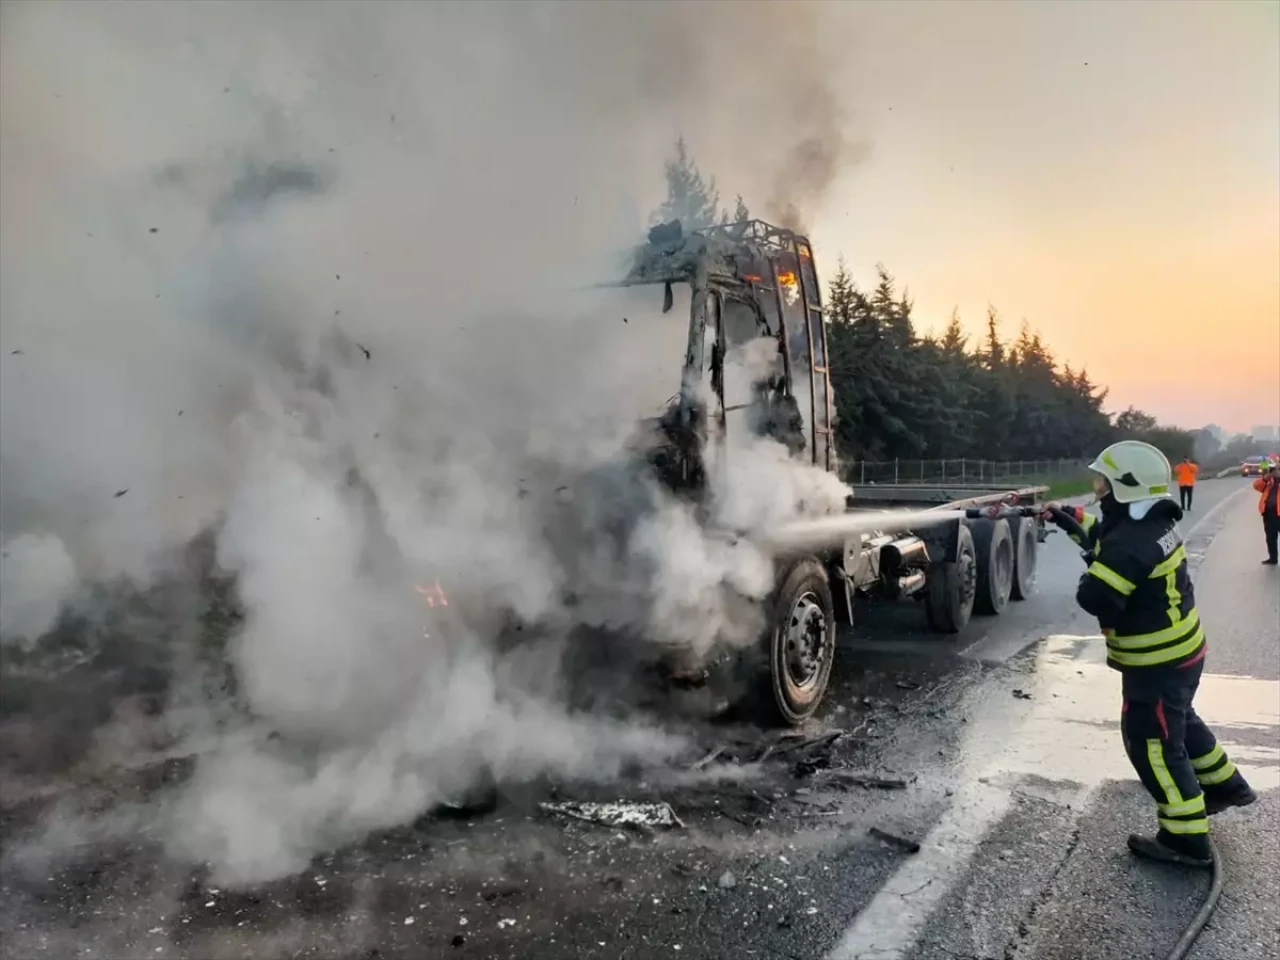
(259, 184)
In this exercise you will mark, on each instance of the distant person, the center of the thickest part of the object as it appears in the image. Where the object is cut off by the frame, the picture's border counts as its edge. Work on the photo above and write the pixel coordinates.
(1269, 506)
(1186, 471)
(1138, 586)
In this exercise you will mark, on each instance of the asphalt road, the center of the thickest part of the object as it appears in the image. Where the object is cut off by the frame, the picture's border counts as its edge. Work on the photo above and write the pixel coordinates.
(997, 752)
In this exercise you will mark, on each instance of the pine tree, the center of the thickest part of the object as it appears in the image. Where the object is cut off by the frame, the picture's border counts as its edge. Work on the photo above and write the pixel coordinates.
(840, 295)
(993, 355)
(954, 341)
(740, 212)
(1133, 421)
(691, 198)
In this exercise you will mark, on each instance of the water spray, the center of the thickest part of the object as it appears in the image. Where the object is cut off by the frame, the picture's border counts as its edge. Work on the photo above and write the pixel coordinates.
(804, 536)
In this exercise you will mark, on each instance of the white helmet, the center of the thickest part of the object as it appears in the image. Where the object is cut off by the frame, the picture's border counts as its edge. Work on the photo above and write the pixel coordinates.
(1135, 470)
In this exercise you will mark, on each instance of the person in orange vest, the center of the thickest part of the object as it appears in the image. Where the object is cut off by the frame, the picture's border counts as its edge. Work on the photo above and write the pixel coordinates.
(1269, 506)
(1186, 472)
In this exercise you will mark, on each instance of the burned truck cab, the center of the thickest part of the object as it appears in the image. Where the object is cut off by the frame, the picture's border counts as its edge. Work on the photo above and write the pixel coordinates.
(756, 355)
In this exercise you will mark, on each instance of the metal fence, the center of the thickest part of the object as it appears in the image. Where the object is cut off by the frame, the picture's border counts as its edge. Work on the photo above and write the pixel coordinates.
(962, 471)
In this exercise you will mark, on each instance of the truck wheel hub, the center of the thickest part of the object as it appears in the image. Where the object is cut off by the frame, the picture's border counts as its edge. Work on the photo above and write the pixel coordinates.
(967, 569)
(806, 640)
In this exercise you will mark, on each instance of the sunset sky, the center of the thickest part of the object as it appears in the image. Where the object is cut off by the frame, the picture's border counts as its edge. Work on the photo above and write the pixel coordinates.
(1109, 171)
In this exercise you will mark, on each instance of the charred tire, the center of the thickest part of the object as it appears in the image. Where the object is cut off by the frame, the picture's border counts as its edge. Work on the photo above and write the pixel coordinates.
(949, 594)
(1026, 542)
(993, 544)
(800, 643)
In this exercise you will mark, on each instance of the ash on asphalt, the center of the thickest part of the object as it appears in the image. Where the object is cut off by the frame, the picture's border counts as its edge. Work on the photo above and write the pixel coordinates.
(786, 814)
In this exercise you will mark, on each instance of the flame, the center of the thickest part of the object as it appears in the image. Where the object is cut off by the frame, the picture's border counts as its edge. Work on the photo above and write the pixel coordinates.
(790, 286)
(752, 277)
(435, 594)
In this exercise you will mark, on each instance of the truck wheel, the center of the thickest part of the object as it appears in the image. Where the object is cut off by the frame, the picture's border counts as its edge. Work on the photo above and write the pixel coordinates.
(801, 642)
(994, 546)
(949, 593)
(1025, 545)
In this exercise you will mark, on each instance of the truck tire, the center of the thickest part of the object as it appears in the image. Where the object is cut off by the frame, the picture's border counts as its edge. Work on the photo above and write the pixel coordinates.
(801, 643)
(993, 544)
(1026, 542)
(952, 585)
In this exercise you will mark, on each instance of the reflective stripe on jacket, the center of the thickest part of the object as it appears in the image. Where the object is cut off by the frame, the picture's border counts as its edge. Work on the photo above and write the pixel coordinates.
(1139, 588)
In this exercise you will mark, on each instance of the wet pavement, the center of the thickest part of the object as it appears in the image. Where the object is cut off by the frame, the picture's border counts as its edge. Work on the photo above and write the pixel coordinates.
(997, 753)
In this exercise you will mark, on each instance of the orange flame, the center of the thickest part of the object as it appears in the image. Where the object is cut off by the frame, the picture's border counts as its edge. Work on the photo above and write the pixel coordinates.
(434, 594)
(787, 278)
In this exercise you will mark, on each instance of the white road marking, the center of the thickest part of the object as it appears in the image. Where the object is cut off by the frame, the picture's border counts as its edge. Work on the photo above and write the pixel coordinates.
(1062, 737)
(1216, 509)
(890, 924)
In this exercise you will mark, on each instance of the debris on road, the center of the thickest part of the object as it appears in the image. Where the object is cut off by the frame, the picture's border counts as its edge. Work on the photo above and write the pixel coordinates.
(1021, 694)
(622, 813)
(480, 800)
(708, 759)
(810, 753)
(805, 745)
(856, 779)
(894, 840)
(727, 881)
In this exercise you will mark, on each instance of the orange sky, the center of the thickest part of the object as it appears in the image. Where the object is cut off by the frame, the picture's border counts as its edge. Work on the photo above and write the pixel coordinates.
(1108, 170)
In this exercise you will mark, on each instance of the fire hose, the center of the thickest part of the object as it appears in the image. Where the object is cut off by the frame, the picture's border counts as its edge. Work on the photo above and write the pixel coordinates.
(1075, 530)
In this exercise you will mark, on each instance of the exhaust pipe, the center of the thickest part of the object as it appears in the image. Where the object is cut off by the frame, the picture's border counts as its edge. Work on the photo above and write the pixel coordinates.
(900, 555)
(907, 584)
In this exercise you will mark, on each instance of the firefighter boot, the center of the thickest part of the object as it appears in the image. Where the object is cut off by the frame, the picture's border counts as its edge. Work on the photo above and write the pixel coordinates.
(1194, 850)
(1236, 792)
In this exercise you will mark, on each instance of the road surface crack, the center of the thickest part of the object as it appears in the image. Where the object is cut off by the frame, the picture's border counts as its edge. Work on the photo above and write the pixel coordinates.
(912, 893)
(1045, 895)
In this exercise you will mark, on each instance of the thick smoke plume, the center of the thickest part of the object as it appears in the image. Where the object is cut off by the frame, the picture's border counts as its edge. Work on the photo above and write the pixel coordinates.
(296, 283)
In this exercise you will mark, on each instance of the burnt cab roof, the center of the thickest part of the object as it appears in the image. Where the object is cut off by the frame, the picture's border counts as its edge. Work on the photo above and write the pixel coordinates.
(739, 253)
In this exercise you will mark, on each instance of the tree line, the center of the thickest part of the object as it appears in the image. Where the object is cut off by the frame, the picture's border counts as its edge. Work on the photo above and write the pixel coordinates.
(903, 394)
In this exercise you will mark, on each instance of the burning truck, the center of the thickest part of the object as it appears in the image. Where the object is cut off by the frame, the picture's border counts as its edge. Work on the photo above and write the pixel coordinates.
(753, 297)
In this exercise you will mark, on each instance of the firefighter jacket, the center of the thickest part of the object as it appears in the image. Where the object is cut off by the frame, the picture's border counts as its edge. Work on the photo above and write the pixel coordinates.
(1138, 586)
(1269, 487)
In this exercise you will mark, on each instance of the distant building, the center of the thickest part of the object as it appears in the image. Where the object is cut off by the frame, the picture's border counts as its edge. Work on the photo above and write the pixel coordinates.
(1265, 432)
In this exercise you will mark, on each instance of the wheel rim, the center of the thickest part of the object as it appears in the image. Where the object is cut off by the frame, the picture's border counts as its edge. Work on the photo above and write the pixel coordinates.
(805, 642)
(1027, 562)
(1004, 565)
(967, 571)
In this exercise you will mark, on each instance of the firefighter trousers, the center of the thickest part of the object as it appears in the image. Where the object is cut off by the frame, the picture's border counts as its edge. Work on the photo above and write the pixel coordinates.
(1176, 756)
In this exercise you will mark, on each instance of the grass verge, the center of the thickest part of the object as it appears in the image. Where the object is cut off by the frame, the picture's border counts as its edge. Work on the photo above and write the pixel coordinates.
(1068, 487)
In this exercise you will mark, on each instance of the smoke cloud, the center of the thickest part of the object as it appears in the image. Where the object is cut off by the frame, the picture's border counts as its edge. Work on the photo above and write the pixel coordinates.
(307, 277)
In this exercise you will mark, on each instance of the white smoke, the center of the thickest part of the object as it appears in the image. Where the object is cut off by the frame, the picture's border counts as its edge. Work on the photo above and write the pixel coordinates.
(37, 577)
(301, 273)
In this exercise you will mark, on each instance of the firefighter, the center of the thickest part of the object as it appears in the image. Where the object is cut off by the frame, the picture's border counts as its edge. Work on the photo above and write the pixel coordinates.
(1186, 471)
(1269, 506)
(1138, 586)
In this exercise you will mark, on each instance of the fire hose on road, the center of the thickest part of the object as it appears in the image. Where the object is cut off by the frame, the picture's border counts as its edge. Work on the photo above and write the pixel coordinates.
(1073, 528)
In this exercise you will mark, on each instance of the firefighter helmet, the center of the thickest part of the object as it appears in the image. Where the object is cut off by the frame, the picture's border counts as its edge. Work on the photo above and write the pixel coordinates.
(1135, 470)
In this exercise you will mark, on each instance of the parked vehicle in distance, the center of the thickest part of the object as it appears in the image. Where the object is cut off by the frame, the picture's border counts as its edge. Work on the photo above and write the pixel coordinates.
(1252, 466)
